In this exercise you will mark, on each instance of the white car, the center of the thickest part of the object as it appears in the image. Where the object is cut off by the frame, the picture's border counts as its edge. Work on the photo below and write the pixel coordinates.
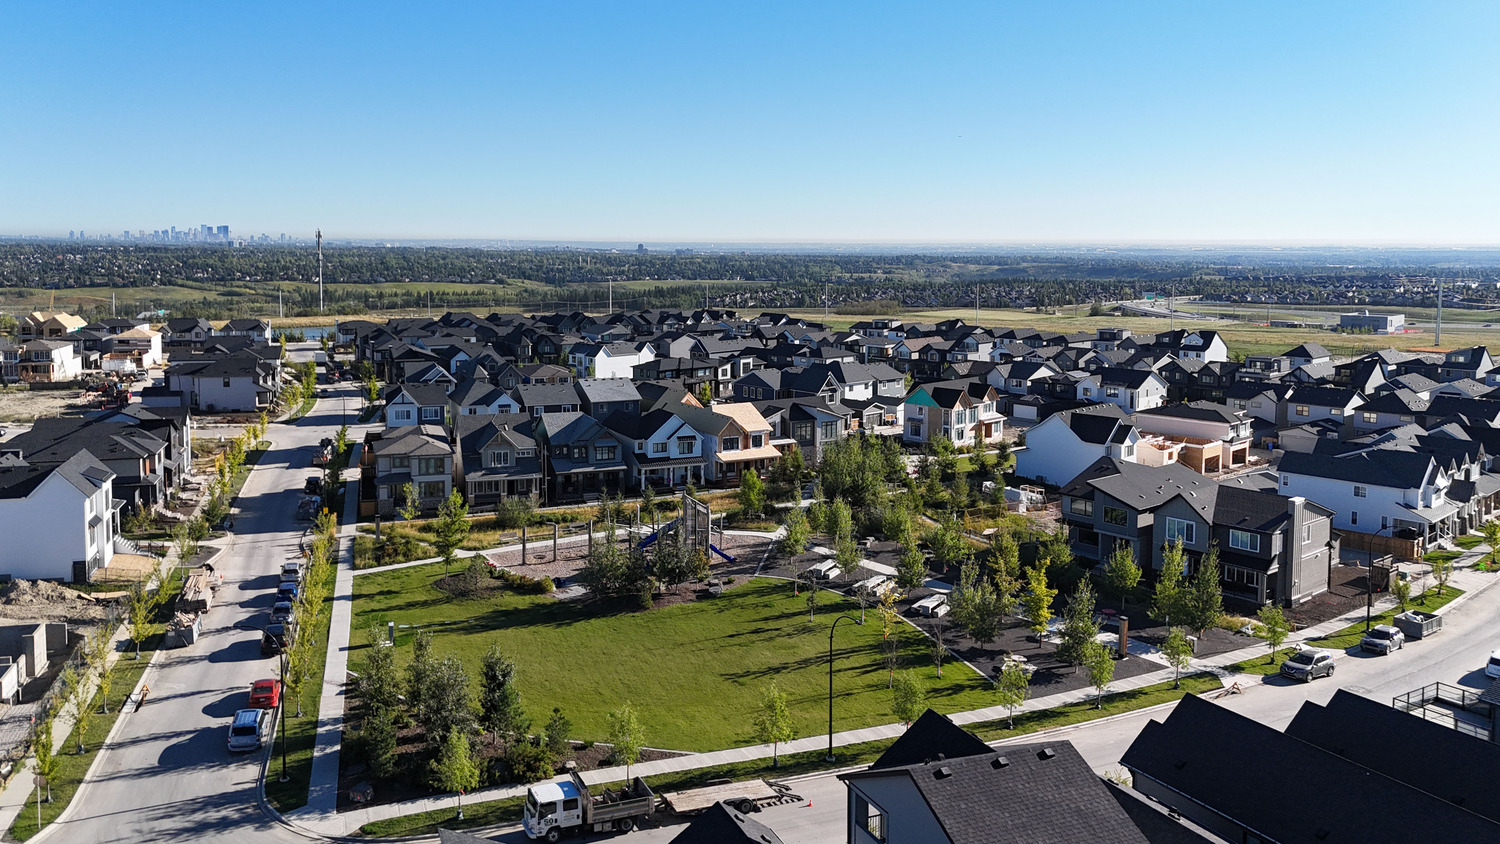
(1492, 668)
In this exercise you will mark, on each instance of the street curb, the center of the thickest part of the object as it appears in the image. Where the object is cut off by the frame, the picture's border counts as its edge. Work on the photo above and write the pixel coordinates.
(109, 738)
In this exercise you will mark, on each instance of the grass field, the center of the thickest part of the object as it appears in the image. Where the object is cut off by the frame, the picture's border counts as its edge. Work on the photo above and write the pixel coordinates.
(695, 672)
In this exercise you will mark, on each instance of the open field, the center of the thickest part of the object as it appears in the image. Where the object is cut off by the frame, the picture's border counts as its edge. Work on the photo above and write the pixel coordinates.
(695, 672)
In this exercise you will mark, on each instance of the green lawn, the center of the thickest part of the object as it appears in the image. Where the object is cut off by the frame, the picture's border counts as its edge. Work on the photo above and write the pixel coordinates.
(72, 766)
(1349, 636)
(1262, 664)
(694, 672)
(1468, 541)
(808, 762)
(302, 733)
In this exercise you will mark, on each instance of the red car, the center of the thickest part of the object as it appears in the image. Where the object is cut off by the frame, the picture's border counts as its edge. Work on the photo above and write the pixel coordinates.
(265, 694)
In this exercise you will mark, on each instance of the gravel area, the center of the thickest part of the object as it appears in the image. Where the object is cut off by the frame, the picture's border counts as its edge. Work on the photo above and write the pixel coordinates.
(746, 550)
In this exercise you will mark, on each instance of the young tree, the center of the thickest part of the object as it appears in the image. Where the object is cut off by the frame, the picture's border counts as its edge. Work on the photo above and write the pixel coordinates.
(774, 723)
(78, 698)
(1491, 531)
(948, 544)
(1205, 596)
(1171, 593)
(96, 653)
(448, 704)
(410, 507)
(1274, 627)
(797, 533)
(140, 608)
(454, 769)
(976, 607)
(1101, 668)
(626, 735)
(451, 527)
(1401, 591)
(939, 648)
(906, 697)
(1079, 627)
(1442, 570)
(44, 759)
(1005, 554)
(841, 533)
(419, 673)
(1122, 572)
(1179, 653)
(500, 712)
(911, 571)
(558, 730)
(1037, 601)
(752, 494)
(1013, 688)
(379, 736)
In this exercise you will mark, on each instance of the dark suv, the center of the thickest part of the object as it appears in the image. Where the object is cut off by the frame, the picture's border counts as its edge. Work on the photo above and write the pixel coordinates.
(274, 639)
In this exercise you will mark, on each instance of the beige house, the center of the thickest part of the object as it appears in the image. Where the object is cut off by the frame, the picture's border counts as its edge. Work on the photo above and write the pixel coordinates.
(736, 438)
(47, 325)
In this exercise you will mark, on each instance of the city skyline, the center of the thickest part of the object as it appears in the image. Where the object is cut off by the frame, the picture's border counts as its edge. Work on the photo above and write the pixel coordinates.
(967, 124)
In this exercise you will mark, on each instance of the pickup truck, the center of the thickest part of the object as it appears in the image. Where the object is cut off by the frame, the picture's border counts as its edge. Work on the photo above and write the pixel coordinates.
(557, 808)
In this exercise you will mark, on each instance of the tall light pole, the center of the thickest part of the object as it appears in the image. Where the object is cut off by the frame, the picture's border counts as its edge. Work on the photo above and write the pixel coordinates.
(832, 628)
(320, 270)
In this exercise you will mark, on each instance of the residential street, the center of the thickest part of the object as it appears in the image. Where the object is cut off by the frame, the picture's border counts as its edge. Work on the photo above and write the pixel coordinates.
(168, 775)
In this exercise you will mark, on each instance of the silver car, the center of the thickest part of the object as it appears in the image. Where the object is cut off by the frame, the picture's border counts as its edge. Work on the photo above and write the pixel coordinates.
(1308, 664)
(1382, 639)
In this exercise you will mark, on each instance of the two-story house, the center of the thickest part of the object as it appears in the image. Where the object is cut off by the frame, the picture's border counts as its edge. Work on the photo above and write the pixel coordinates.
(48, 361)
(238, 382)
(542, 398)
(609, 360)
(1380, 491)
(10, 360)
(49, 325)
(736, 439)
(603, 397)
(1473, 363)
(135, 456)
(58, 519)
(662, 450)
(415, 404)
(1311, 403)
(187, 331)
(583, 459)
(1067, 442)
(498, 458)
(419, 455)
(257, 329)
(808, 424)
(473, 397)
(942, 409)
(1128, 389)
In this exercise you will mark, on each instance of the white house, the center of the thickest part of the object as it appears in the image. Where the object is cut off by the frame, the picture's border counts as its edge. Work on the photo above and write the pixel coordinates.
(1066, 443)
(610, 360)
(1310, 403)
(415, 404)
(1377, 490)
(59, 520)
(49, 361)
(1128, 389)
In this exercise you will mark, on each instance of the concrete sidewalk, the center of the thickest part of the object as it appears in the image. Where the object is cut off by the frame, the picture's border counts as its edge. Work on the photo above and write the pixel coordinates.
(318, 820)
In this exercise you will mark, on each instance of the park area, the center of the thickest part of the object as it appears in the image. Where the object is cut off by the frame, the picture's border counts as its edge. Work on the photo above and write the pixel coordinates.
(695, 672)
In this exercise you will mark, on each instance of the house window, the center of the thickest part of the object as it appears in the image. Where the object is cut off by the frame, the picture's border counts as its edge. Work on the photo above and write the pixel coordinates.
(658, 448)
(1405, 418)
(536, 411)
(400, 462)
(729, 444)
(1180, 529)
(869, 818)
(499, 458)
(432, 489)
(1353, 517)
(684, 445)
(1360, 491)
(1286, 480)
(757, 440)
(604, 452)
(1243, 540)
(226, 382)
(1081, 507)
(432, 413)
(1301, 410)
(1369, 417)
(1116, 516)
(580, 452)
(1087, 392)
(1112, 392)
(431, 465)
(829, 430)
(525, 452)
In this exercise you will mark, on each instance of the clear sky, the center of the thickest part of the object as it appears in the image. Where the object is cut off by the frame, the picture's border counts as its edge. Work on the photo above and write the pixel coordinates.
(1340, 122)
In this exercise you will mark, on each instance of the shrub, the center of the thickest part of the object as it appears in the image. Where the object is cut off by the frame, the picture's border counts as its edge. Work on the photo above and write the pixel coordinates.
(525, 761)
(514, 513)
(1233, 623)
(523, 584)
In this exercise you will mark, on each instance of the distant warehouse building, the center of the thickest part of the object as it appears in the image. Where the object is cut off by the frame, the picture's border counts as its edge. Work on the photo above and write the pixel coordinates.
(1378, 323)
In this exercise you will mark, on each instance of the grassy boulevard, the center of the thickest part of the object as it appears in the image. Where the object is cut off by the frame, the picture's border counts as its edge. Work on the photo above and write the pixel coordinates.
(73, 766)
(495, 812)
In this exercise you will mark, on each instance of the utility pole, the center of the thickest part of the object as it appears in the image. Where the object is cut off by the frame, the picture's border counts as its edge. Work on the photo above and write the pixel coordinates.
(320, 270)
(1437, 339)
(976, 304)
(825, 300)
(611, 294)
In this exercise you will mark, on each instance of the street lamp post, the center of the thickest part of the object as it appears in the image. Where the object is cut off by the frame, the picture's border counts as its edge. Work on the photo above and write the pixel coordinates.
(832, 628)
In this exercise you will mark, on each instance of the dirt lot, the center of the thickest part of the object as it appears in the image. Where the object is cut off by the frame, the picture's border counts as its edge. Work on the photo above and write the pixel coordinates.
(35, 601)
(27, 405)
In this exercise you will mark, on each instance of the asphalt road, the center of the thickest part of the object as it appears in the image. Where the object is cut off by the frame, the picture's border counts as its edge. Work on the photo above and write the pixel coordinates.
(168, 775)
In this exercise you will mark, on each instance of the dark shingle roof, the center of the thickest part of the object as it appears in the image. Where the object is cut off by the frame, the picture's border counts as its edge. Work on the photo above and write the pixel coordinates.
(928, 736)
(1377, 467)
(723, 825)
(1204, 410)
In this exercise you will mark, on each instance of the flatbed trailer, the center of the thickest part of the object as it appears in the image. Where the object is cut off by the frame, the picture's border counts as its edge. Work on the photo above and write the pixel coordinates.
(743, 796)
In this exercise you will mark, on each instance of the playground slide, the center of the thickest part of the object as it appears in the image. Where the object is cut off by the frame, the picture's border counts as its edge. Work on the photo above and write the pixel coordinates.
(715, 549)
(646, 543)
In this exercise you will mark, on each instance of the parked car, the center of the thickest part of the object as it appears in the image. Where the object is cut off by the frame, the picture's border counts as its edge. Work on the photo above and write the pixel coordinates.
(274, 639)
(248, 729)
(1307, 664)
(1382, 639)
(307, 509)
(287, 591)
(313, 485)
(1492, 668)
(291, 571)
(265, 694)
(281, 612)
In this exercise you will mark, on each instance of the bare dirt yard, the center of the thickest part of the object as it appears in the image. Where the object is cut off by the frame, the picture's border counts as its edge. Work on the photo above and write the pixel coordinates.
(25, 406)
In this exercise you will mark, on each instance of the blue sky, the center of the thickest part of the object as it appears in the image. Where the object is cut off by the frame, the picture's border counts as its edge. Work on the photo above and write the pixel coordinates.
(947, 122)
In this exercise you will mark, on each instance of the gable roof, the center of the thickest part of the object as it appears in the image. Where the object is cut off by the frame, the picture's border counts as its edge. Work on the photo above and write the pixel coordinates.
(1185, 754)
(720, 824)
(928, 737)
(1322, 396)
(1376, 467)
(83, 470)
(1202, 410)
(1306, 350)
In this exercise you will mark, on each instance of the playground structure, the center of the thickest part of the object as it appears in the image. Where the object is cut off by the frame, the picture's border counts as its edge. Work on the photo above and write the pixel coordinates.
(694, 527)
